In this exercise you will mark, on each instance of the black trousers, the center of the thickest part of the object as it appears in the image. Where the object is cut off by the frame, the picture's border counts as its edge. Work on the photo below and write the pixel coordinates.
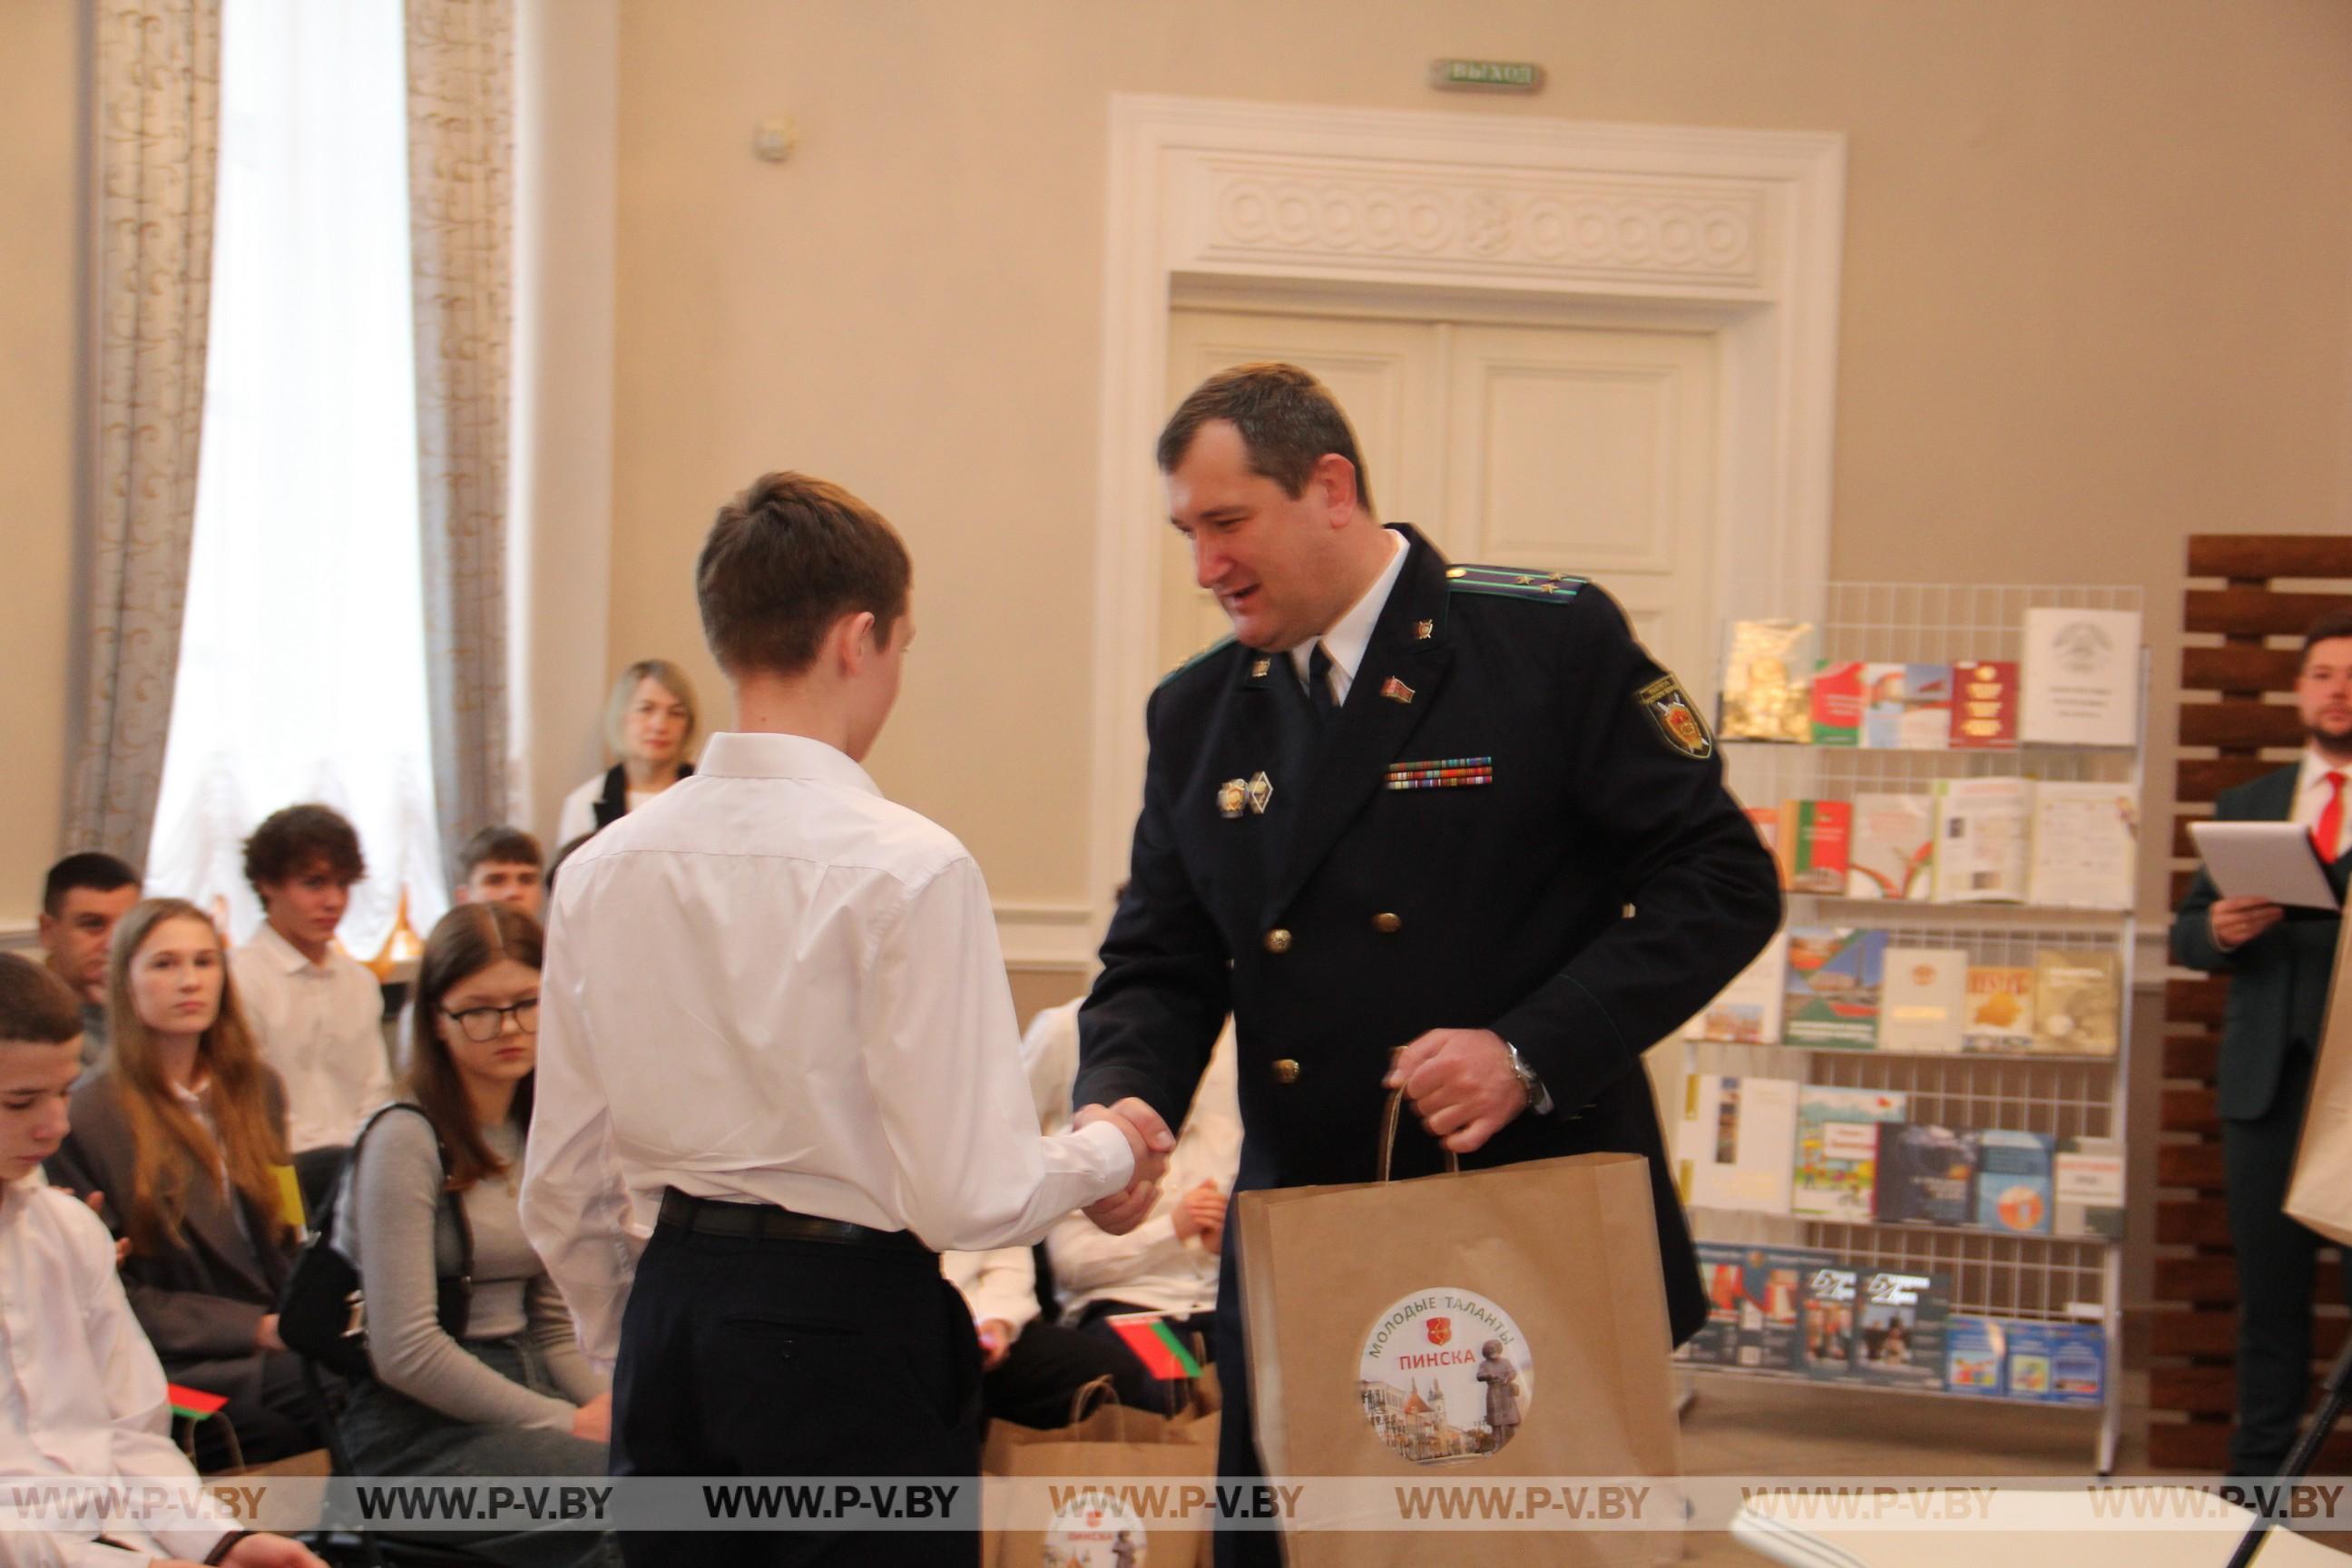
(1039, 1377)
(2278, 1262)
(1149, 1393)
(748, 1357)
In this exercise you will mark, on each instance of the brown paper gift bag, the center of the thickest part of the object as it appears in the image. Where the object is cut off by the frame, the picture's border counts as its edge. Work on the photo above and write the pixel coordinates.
(1111, 1442)
(1461, 1328)
(2320, 1192)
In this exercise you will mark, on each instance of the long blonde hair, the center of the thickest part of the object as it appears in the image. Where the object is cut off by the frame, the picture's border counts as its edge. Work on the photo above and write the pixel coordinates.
(170, 1144)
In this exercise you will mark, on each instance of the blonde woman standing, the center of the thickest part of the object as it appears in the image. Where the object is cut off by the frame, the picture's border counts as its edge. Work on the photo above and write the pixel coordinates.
(650, 724)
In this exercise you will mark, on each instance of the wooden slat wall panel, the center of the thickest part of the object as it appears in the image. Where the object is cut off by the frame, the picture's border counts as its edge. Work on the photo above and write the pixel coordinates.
(2255, 612)
(2215, 1334)
(2239, 667)
(2192, 1222)
(2240, 556)
(2204, 1446)
(2241, 724)
(2192, 1338)
(2202, 778)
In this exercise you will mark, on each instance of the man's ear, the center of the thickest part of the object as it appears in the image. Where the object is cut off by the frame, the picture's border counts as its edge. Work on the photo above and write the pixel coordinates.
(1334, 481)
(48, 932)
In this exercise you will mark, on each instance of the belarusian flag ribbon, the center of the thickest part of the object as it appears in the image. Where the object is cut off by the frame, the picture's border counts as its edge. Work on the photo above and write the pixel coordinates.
(1162, 1352)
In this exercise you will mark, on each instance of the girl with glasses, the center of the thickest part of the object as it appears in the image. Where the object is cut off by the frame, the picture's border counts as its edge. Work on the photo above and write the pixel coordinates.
(485, 1381)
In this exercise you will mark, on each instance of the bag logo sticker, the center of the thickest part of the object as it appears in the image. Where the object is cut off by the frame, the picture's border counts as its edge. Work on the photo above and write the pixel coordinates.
(1445, 1376)
(1096, 1529)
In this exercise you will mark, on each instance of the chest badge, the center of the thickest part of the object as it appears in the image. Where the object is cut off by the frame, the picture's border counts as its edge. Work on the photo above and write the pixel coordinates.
(1396, 691)
(1261, 793)
(1231, 795)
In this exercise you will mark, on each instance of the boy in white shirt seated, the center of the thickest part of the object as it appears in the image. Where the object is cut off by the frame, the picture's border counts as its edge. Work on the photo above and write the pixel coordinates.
(82, 1394)
(316, 1012)
(1031, 1371)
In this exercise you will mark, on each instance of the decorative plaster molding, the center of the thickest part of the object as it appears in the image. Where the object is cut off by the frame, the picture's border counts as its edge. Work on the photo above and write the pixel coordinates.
(1597, 230)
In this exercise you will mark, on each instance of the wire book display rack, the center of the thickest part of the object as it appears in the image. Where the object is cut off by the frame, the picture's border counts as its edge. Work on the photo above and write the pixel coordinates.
(2028, 1277)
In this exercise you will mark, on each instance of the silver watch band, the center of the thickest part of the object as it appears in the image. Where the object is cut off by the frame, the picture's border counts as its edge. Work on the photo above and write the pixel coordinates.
(1538, 1097)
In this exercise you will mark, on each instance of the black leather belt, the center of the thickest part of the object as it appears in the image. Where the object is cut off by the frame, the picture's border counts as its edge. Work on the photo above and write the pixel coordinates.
(765, 1222)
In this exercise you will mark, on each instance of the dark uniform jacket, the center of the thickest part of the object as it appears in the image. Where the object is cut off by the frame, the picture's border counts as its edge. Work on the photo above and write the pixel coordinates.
(1347, 917)
(2278, 981)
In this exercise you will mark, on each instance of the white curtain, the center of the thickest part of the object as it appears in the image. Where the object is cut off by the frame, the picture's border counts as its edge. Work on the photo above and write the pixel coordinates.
(301, 672)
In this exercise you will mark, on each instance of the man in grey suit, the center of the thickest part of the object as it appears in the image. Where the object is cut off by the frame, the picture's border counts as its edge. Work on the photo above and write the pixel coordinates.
(2279, 965)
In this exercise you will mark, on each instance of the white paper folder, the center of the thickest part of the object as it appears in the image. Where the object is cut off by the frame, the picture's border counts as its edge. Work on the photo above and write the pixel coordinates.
(2273, 860)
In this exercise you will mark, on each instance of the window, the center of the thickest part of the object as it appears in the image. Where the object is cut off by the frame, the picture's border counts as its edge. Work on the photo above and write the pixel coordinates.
(301, 673)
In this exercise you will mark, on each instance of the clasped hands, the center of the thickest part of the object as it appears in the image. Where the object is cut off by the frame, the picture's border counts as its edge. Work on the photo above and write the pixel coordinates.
(1148, 1139)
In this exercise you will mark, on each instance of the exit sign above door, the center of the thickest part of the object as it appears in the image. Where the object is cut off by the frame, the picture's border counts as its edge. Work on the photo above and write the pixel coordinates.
(1485, 76)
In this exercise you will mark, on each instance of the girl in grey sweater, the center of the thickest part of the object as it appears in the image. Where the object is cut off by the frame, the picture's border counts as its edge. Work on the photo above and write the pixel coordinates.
(504, 1392)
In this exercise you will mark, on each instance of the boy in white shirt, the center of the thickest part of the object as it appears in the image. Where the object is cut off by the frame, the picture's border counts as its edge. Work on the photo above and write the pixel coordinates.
(317, 1014)
(81, 1394)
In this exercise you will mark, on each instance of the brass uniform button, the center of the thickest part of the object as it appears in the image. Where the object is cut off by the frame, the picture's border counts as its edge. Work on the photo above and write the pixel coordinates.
(1277, 941)
(1387, 924)
(1286, 1071)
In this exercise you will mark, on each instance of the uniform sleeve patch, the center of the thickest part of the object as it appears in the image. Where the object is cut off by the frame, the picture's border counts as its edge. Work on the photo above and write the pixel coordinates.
(1675, 719)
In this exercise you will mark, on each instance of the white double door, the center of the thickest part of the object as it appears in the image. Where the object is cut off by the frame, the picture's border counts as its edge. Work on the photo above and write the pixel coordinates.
(1574, 449)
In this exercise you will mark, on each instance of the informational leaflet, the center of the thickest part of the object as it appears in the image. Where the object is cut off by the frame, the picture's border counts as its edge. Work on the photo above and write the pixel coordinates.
(2081, 675)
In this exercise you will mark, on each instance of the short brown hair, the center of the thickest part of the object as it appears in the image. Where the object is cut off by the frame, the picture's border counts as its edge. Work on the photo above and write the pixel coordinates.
(91, 868)
(2327, 628)
(291, 838)
(36, 1006)
(1288, 422)
(788, 558)
(498, 845)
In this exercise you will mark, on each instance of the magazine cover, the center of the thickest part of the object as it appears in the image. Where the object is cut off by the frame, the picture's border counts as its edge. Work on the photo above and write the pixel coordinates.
(1831, 1293)
(1834, 974)
(1899, 1334)
(1975, 1349)
(2014, 1182)
(1837, 1149)
(1923, 1173)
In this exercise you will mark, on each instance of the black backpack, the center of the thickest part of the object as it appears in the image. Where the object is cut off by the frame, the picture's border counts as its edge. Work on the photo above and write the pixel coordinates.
(323, 1311)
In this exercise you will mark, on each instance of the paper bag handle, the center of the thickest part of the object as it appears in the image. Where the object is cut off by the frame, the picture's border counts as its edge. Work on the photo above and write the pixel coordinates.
(1388, 1121)
(1103, 1387)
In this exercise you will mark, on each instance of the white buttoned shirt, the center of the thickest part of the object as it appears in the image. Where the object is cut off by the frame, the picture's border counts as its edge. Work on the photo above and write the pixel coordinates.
(82, 1394)
(769, 985)
(321, 1026)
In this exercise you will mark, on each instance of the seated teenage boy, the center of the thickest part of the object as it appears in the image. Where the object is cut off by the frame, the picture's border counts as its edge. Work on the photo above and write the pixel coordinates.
(502, 866)
(315, 1011)
(82, 1394)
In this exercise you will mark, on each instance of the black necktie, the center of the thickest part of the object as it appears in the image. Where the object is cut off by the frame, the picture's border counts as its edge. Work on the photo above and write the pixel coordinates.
(1319, 685)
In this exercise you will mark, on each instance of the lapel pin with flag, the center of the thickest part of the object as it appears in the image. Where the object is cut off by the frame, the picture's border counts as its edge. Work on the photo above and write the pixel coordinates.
(193, 1403)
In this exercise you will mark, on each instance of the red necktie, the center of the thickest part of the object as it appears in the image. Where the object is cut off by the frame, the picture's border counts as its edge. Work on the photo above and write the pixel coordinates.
(2329, 831)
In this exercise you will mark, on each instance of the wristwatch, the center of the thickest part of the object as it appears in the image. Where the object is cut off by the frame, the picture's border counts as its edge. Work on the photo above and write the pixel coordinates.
(1538, 1097)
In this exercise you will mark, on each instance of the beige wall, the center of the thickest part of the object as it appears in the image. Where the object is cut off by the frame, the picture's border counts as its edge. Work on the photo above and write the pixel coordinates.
(39, 128)
(2097, 293)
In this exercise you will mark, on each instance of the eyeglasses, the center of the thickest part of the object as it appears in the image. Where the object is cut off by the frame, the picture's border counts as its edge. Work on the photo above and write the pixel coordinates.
(483, 1025)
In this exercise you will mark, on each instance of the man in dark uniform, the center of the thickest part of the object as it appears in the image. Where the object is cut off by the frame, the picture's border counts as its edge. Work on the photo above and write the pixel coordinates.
(2278, 998)
(1393, 827)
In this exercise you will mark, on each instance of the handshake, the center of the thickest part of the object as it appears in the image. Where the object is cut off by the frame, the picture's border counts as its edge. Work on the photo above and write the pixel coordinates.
(1149, 1137)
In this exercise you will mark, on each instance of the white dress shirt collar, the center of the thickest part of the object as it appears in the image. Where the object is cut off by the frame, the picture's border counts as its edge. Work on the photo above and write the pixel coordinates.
(743, 755)
(1351, 634)
(283, 955)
